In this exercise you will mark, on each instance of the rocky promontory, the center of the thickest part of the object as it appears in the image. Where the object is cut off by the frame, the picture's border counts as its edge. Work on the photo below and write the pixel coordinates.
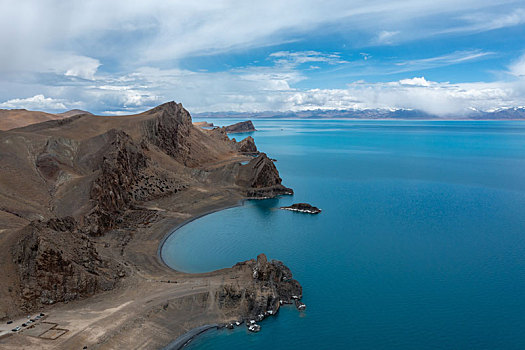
(246, 126)
(261, 179)
(271, 285)
(302, 208)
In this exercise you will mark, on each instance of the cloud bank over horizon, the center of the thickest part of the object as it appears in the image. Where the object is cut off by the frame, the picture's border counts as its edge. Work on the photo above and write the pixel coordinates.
(443, 58)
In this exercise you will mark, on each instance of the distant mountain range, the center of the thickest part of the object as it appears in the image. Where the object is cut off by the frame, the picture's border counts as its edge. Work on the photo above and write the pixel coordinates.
(498, 114)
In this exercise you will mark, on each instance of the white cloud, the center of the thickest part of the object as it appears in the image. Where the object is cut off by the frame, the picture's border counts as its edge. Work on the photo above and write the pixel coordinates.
(82, 67)
(55, 48)
(421, 81)
(252, 89)
(256, 89)
(37, 102)
(443, 99)
(386, 37)
(300, 57)
(485, 21)
(517, 68)
(443, 60)
(31, 30)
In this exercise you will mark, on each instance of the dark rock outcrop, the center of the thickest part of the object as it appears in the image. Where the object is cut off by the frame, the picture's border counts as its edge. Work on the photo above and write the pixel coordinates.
(111, 193)
(271, 285)
(57, 263)
(261, 178)
(247, 146)
(246, 126)
(302, 208)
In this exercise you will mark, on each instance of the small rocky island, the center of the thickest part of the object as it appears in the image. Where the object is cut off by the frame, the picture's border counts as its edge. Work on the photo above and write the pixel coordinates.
(302, 208)
(246, 126)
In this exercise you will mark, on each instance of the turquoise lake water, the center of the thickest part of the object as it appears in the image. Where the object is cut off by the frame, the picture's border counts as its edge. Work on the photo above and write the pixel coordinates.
(420, 245)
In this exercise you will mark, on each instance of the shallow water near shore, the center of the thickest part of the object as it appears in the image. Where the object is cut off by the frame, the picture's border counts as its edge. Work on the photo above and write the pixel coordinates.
(420, 245)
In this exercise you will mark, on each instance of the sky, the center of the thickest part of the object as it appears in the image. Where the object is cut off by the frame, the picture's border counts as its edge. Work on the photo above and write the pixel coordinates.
(446, 57)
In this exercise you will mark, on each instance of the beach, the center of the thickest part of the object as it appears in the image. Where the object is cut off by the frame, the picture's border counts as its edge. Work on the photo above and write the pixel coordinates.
(155, 304)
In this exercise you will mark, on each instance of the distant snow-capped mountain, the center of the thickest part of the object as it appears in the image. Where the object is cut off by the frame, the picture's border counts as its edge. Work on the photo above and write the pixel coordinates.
(495, 114)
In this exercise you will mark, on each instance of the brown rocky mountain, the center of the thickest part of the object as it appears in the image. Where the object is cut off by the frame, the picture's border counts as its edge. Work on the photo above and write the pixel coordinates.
(75, 193)
(18, 118)
(72, 113)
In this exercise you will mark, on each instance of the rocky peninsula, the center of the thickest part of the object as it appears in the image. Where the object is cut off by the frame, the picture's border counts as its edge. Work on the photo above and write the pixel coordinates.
(85, 203)
(246, 126)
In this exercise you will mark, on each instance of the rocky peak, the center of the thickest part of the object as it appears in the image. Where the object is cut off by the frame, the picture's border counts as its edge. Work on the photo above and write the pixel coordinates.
(173, 110)
(247, 146)
(261, 178)
(170, 131)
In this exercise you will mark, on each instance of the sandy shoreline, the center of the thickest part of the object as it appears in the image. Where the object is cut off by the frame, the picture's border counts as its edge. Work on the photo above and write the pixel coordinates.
(187, 337)
(154, 305)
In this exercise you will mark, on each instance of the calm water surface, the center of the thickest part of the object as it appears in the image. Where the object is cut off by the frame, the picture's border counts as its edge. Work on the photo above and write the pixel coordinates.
(420, 245)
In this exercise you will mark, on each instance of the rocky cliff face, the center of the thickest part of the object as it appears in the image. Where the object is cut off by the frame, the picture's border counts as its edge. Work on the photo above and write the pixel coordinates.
(271, 284)
(170, 131)
(121, 165)
(261, 179)
(58, 263)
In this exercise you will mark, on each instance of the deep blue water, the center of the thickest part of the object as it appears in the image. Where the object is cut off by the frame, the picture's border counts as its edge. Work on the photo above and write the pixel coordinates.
(420, 245)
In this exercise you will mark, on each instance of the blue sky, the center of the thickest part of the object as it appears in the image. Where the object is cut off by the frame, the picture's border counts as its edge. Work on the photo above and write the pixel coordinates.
(443, 57)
